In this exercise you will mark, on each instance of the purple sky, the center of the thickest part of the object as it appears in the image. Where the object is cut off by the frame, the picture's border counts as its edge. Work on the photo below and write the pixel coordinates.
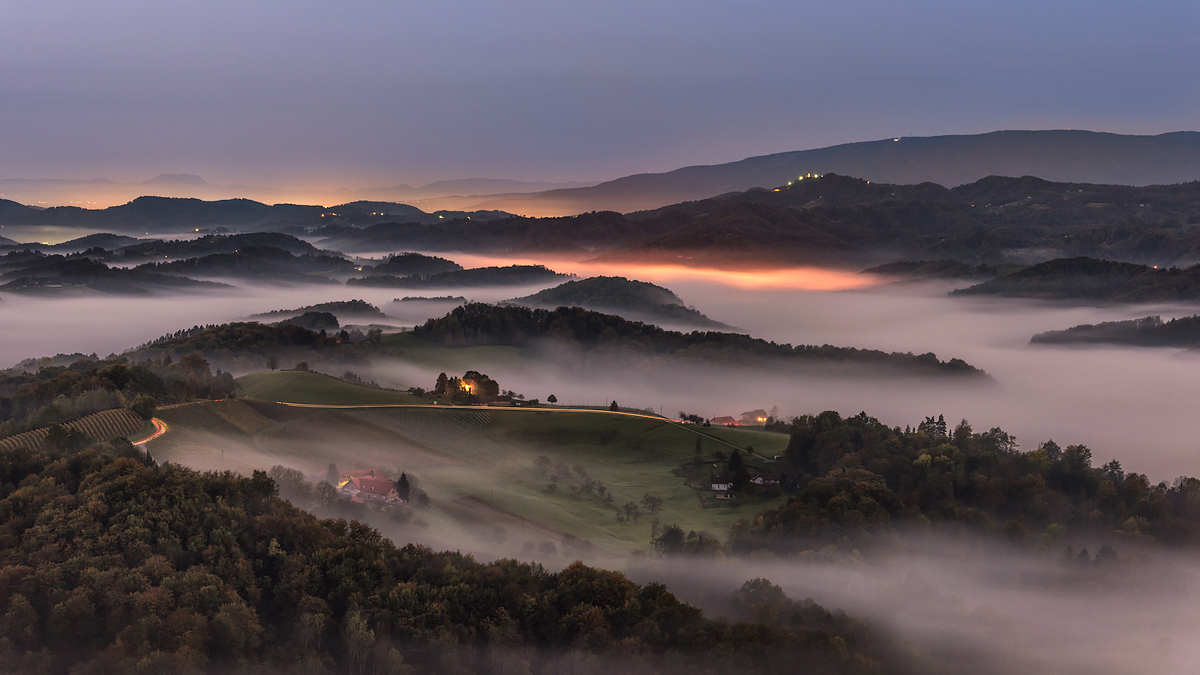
(359, 93)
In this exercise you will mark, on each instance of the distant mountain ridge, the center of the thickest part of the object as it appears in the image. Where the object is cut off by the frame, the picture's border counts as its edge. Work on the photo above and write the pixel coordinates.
(1071, 156)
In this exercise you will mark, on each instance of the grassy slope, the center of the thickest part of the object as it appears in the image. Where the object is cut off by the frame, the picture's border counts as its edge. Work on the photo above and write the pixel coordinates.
(492, 461)
(291, 386)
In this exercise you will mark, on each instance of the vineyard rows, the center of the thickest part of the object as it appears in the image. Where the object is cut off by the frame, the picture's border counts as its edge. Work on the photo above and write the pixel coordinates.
(102, 426)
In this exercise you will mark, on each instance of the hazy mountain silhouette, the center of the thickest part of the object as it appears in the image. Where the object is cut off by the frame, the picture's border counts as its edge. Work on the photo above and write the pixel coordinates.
(1059, 155)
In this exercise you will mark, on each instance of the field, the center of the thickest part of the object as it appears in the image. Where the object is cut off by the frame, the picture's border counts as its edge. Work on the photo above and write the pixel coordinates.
(480, 466)
(294, 386)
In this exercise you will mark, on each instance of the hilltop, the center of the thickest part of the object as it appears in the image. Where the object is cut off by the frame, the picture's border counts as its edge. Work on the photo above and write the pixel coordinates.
(605, 341)
(512, 275)
(260, 263)
(1151, 331)
(617, 295)
(58, 274)
(1056, 155)
(1094, 280)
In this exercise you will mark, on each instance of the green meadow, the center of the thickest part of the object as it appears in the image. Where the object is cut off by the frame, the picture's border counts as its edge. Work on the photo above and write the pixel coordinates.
(480, 466)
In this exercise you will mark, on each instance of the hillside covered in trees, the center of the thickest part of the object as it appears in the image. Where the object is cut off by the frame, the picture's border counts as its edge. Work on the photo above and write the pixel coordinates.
(512, 275)
(1095, 280)
(247, 346)
(259, 263)
(1151, 331)
(41, 394)
(111, 564)
(56, 273)
(606, 336)
(629, 298)
(858, 483)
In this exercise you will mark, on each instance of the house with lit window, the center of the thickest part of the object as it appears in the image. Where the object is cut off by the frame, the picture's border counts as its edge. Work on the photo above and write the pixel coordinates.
(371, 488)
(755, 418)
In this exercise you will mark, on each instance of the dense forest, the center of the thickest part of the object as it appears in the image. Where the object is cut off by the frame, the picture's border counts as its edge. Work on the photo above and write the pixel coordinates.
(829, 219)
(1097, 280)
(610, 336)
(629, 298)
(1151, 331)
(353, 309)
(111, 564)
(409, 264)
(210, 245)
(40, 272)
(261, 263)
(512, 275)
(248, 346)
(46, 394)
(858, 483)
(840, 220)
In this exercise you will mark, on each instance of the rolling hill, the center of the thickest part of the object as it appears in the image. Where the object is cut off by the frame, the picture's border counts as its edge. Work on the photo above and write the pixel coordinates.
(1057, 155)
(479, 465)
(636, 300)
(1094, 280)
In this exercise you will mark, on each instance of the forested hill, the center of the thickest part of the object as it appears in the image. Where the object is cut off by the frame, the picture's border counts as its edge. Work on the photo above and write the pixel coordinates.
(247, 346)
(512, 275)
(853, 479)
(835, 219)
(1095, 280)
(610, 336)
(1060, 155)
(37, 272)
(636, 299)
(1151, 331)
(111, 564)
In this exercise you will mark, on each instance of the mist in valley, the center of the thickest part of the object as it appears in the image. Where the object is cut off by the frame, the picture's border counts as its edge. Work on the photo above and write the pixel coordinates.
(1131, 404)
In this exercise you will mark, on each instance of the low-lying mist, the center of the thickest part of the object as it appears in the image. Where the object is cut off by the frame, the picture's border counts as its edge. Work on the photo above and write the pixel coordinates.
(986, 608)
(1132, 404)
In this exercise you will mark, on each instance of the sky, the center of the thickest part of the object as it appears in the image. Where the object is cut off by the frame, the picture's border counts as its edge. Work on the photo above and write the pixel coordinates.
(364, 93)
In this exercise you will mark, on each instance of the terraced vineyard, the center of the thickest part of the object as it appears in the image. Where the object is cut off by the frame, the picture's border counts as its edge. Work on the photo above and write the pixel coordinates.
(102, 426)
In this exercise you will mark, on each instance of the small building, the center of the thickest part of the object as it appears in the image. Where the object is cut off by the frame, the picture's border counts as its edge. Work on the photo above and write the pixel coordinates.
(726, 494)
(725, 421)
(765, 479)
(378, 490)
(358, 473)
(721, 483)
(755, 417)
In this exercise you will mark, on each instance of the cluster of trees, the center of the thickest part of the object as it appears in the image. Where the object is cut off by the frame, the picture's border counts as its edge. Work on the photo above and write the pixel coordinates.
(409, 264)
(513, 275)
(258, 262)
(1151, 331)
(342, 308)
(472, 387)
(841, 219)
(78, 270)
(111, 564)
(638, 299)
(607, 335)
(855, 479)
(1092, 279)
(578, 482)
(576, 479)
(57, 394)
(246, 346)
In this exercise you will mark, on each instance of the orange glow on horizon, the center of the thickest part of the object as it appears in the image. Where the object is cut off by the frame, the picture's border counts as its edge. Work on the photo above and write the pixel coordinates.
(788, 278)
